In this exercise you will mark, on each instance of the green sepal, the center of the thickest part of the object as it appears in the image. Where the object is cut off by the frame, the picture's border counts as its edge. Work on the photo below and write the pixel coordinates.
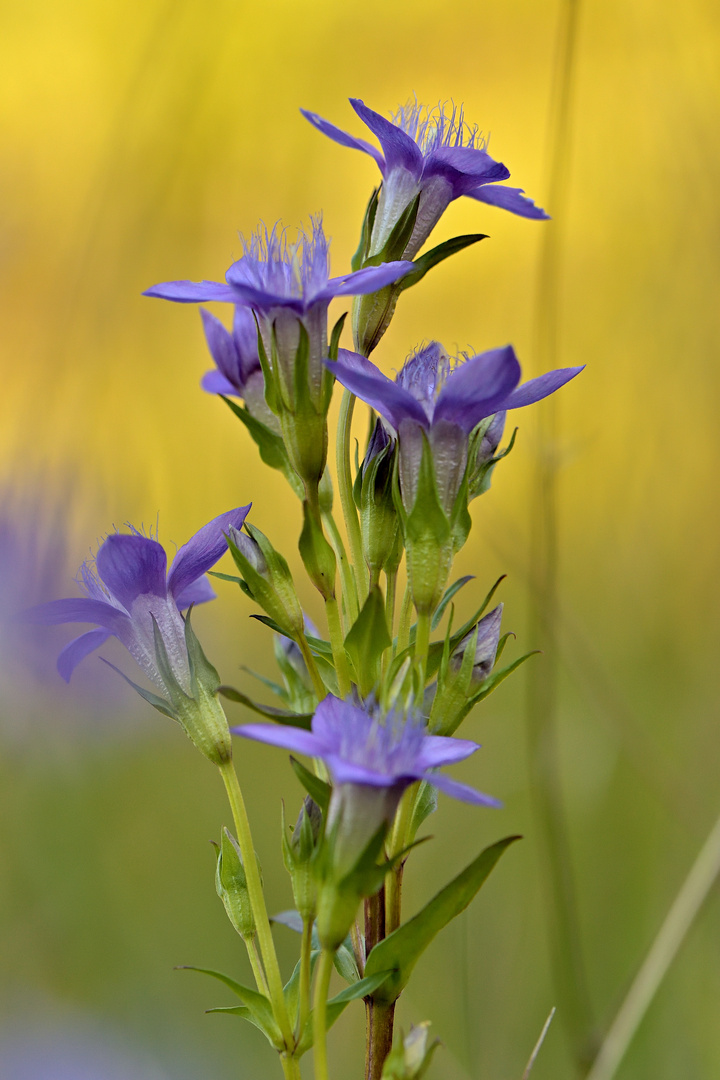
(447, 597)
(231, 886)
(271, 446)
(401, 949)
(256, 1008)
(428, 538)
(291, 990)
(157, 702)
(479, 481)
(367, 640)
(426, 802)
(273, 590)
(316, 788)
(297, 693)
(358, 259)
(298, 850)
(271, 394)
(437, 255)
(493, 681)
(203, 676)
(317, 554)
(337, 1005)
(435, 652)
(399, 238)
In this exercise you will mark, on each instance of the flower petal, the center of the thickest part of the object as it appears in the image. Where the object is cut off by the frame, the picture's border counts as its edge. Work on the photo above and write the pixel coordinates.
(509, 198)
(197, 592)
(214, 382)
(400, 150)
(289, 738)
(192, 292)
(478, 387)
(464, 168)
(366, 381)
(537, 389)
(255, 297)
(78, 649)
(203, 550)
(76, 609)
(440, 750)
(367, 280)
(460, 791)
(347, 772)
(342, 137)
(222, 347)
(333, 716)
(132, 566)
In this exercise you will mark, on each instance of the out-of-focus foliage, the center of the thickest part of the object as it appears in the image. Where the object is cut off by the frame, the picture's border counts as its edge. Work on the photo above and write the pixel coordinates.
(137, 139)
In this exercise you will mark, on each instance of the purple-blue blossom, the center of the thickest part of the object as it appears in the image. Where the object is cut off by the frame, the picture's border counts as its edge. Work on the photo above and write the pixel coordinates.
(430, 399)
(128, 586)
(432, 153)
(372, 758)
(238, 372)
(286, 285)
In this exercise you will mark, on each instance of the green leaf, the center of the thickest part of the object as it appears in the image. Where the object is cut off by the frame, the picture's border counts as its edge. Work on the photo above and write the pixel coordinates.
(271, 446)
(267, 621)
(257, 1008)
(367, 640)
(426, 803)
(280, 716)
(335, 336)
(337, 1005)
(402, 948)
(449, 593)
(316, 788)
(226, 577)
(358, 258)
(158, 703)
(437, 255)
(202, 672)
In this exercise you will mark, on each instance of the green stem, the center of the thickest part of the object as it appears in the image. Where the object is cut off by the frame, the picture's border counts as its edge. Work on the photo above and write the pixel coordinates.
(390, 593)
(337, 642)
(257, 899)
(318, 684)
(678, 921)
(378, 1036)
(405, 619)
(305, 974)
(322, 985)
(398, 840)
(349, 584)
(345, 486)
(291, 1067)
(256, 965)
(422, 645)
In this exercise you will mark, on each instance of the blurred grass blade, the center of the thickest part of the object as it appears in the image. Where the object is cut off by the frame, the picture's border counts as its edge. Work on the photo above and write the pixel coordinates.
(538, 1044)
(680, 918)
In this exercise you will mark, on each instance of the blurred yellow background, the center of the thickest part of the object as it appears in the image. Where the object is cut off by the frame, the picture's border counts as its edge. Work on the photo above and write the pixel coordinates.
(137, 140)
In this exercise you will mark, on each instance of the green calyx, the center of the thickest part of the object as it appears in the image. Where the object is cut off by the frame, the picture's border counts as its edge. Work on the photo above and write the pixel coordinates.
(231, 886)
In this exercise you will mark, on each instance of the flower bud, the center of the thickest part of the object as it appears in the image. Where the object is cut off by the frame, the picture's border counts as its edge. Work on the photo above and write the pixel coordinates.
(410, 1059)
(298, 853)
(231, 886)
(486, 646)
(374, 497)
(250, 549)
(267, 578)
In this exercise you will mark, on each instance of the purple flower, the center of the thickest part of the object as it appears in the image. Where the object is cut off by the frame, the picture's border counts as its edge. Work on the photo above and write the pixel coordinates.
(372, 758)
(431, 400)
(433, 153)
(287, 285)
(129, 586)
(238, 372)
(486, 635)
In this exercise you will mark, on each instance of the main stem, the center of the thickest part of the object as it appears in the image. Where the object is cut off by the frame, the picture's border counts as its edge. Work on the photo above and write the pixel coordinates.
(378, 1037)
(325, 966)
(257, 899)
(347, 577)
(345, 488)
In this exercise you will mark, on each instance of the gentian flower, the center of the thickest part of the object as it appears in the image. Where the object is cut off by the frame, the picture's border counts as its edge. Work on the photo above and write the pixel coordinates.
(128, 588)
(432, 153)
(372, 758)
(238, 372)
(486, 636)
(430, 400)
(289, 287)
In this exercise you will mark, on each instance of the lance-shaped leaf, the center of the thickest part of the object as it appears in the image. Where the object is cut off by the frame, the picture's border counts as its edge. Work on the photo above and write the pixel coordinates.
(402, 949)
(447, 597)
(437, 255)
(271, 446)
(280, 716)
(367, 640)
(256, 1008)
(316, 788)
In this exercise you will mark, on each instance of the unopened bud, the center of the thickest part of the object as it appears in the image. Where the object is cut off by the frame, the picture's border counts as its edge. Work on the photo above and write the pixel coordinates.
(231, 886)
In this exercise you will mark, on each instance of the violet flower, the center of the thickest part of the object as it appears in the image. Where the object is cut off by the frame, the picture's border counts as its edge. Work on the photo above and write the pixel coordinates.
(238, 372)
(486, 635)
(287, 285)
(372, 758)
(128, 588)
(433, 153)
(430, 400)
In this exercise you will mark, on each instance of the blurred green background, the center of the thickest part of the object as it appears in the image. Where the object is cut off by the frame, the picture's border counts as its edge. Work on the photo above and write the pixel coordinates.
(137, 139)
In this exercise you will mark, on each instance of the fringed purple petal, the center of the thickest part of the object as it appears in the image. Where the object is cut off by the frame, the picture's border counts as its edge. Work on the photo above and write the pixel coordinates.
(214, 382)
(342, 137)
(289, 738)
(198, 592)
(508, 198)
(76, 609)
(456, 790)
(132, 566)
(78, 649)
(203, 550)
(537, 389)
(192, 292)
(438, 750)
(401, 152)
(478, 387)
(366, 381)
(367, 280)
